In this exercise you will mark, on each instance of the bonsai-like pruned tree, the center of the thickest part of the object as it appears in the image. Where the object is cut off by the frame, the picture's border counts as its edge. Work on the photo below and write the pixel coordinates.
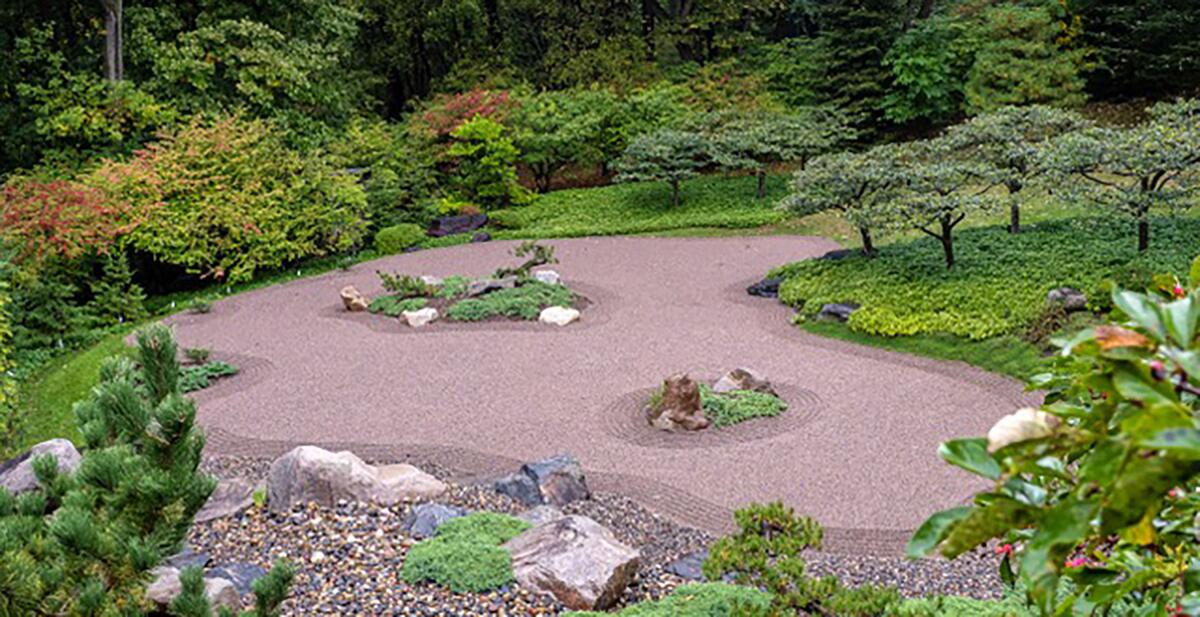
(755, 141)
(936, 192)
(84, 543)
(856, 184)
(665, 156)
(1135, 170)
(1008, 140)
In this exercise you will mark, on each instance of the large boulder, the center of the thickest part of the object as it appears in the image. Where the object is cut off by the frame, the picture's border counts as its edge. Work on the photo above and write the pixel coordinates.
(309, 474)
(481, 236)
(743, 378)
(17, 475)
(461, 224)
(766, 288)
(837, 312)
(556, 481)
(230, 497)
(558, 315)
(1071, 300)
(353, 300)
(574, 559)
(423, 521)
(166, 586)
(679, 407)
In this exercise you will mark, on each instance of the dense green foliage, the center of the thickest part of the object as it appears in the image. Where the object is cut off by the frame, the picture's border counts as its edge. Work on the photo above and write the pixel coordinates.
(394, 305)
(665, 156)
(11, 421)
(465, 555)
(522, 302)
(199, 377)
(729, 408)
(484, 160)
(1099, 485)
(697, 600)
(999, 285)
(396, 238)
(84, 541)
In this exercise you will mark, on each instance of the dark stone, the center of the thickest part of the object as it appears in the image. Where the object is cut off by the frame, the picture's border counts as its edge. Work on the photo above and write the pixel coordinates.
(412, 249)
(187, 558)
(461, 224)
(689, 567)
(838, 254)
(425, 519)
(242, 575)
(837, 312)
(766, 288)
(559, 478)
(485, 286)
(481, 236)
(521, 488)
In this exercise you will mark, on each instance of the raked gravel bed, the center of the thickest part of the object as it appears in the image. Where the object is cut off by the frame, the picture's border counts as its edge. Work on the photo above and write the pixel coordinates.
(349, 557)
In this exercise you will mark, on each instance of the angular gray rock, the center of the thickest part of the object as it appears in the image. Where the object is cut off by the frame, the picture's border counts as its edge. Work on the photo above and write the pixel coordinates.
(167, 586)
(837, 312)
(743, 378)
(230, 497)
(766, 288)
(574, 559)
(689, 567)
(17, 475)
(242, 575)
(424, 519)
(187, 557)
(520, 487)
(311, 474)
(549, 277)
(559, 478)
(1072, 300)
(484, 286)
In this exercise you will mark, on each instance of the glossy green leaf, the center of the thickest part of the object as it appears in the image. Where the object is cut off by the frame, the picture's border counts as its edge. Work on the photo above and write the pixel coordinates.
(1142, 310)
(927, 537)
(1180, 319)
(1179, 442)
(971, 455)
(1138, 386)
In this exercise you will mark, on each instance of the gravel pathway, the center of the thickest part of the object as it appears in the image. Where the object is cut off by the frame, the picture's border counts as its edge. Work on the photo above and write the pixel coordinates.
(477, 398)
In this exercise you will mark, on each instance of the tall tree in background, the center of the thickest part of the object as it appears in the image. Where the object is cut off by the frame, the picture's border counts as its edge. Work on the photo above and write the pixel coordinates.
(114, 60)
(859, 35)
(1146, 48)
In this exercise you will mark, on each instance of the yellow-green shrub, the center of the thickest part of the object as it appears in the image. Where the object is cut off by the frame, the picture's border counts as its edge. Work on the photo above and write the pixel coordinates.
(391, 240)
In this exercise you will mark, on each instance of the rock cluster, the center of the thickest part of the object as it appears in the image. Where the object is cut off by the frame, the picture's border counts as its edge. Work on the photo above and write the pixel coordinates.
(743, 378)
(555, 481)
(1071, 300)
(679, 407)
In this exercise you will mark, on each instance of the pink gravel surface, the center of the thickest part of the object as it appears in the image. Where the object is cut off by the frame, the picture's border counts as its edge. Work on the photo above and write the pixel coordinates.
(859, 453)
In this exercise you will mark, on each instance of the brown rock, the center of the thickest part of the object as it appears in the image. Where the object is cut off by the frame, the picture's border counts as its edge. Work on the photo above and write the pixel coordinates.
(576, 560)
(680, 406)
(353, 300)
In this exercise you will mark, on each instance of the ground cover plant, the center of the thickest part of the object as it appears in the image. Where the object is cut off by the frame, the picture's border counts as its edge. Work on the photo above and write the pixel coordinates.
(999, 284)
(697, 600)
(466, 555)
(1099, 486)
(200, 376)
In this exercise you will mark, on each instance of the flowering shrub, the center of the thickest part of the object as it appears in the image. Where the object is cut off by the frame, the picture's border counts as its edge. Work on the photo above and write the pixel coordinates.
(59, 219)
(1100, 486)
(447, 112)
(226, 198)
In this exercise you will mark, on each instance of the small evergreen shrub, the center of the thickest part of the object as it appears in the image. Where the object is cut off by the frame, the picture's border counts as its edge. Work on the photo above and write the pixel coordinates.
(393, 306)
(200, 306)
(453, 286)
(192, 378)
(699, 600)
(465, 555)
(523, 302)
(728, 408)
(197, 355)
(394, 239)
(404, 285)
(864, 601)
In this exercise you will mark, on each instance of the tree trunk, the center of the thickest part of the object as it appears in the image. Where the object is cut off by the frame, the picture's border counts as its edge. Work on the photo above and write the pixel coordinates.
(1014, 218)
(1143, 234)
(868, 245)
(648, 28)
(674, 193)
(947, 239)
(762, 183)
(114, 65)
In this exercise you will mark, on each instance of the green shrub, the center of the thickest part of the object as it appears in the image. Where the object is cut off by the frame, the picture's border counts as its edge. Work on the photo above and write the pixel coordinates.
(394, 239)
(11, 422)
(453, 286)
(863, 601)
(465, 555)
(727, 408)
(698, 600)
(393, 306)
(405, 285)
(999, 284)
(523, 302)
(485, 160)
(192, 378)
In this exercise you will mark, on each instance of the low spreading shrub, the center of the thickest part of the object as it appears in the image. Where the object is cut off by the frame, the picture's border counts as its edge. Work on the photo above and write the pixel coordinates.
(192, 378)
(999, 284)
(727, 408)
(465, 555)
(698, 600)
(523, 302)
(394, 239)
(405, 285)
(393, 306)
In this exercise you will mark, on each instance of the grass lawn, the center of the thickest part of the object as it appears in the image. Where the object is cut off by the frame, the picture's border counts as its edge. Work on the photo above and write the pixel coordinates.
(48, 396)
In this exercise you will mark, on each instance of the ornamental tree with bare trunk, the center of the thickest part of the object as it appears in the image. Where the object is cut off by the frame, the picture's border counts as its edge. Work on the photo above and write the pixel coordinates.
(1136, 171)
(114, 61)
(665, 156)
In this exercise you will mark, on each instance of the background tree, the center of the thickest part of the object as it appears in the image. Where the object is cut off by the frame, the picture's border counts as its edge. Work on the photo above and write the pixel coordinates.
(1133, 170)
(1008, 141)
(11, 421)
(1149, 48)
(485, 159)
(665, 156)
(555, 129)
(856, 184)
(114, 56)
(755, 141)
(1019, 60)
(858, 36)
(84, 542)
(929, 65)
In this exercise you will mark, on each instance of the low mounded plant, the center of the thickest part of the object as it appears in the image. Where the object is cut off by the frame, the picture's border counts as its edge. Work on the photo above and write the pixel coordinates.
(728, 408)
(523, 302)
(393, 306)
(698, 600)
(199, 377)
(404, 285)
(197, 355)
(394, 239)
(466, 555)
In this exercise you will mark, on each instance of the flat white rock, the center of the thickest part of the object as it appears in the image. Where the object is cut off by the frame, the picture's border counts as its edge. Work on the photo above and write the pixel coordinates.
(549, 277)
(420, 317)
(558, 315)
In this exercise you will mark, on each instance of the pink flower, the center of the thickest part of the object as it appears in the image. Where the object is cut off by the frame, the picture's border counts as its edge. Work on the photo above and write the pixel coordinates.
(1004, 549)
(1179, 291)
(1175, 493)
(1078, 562)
